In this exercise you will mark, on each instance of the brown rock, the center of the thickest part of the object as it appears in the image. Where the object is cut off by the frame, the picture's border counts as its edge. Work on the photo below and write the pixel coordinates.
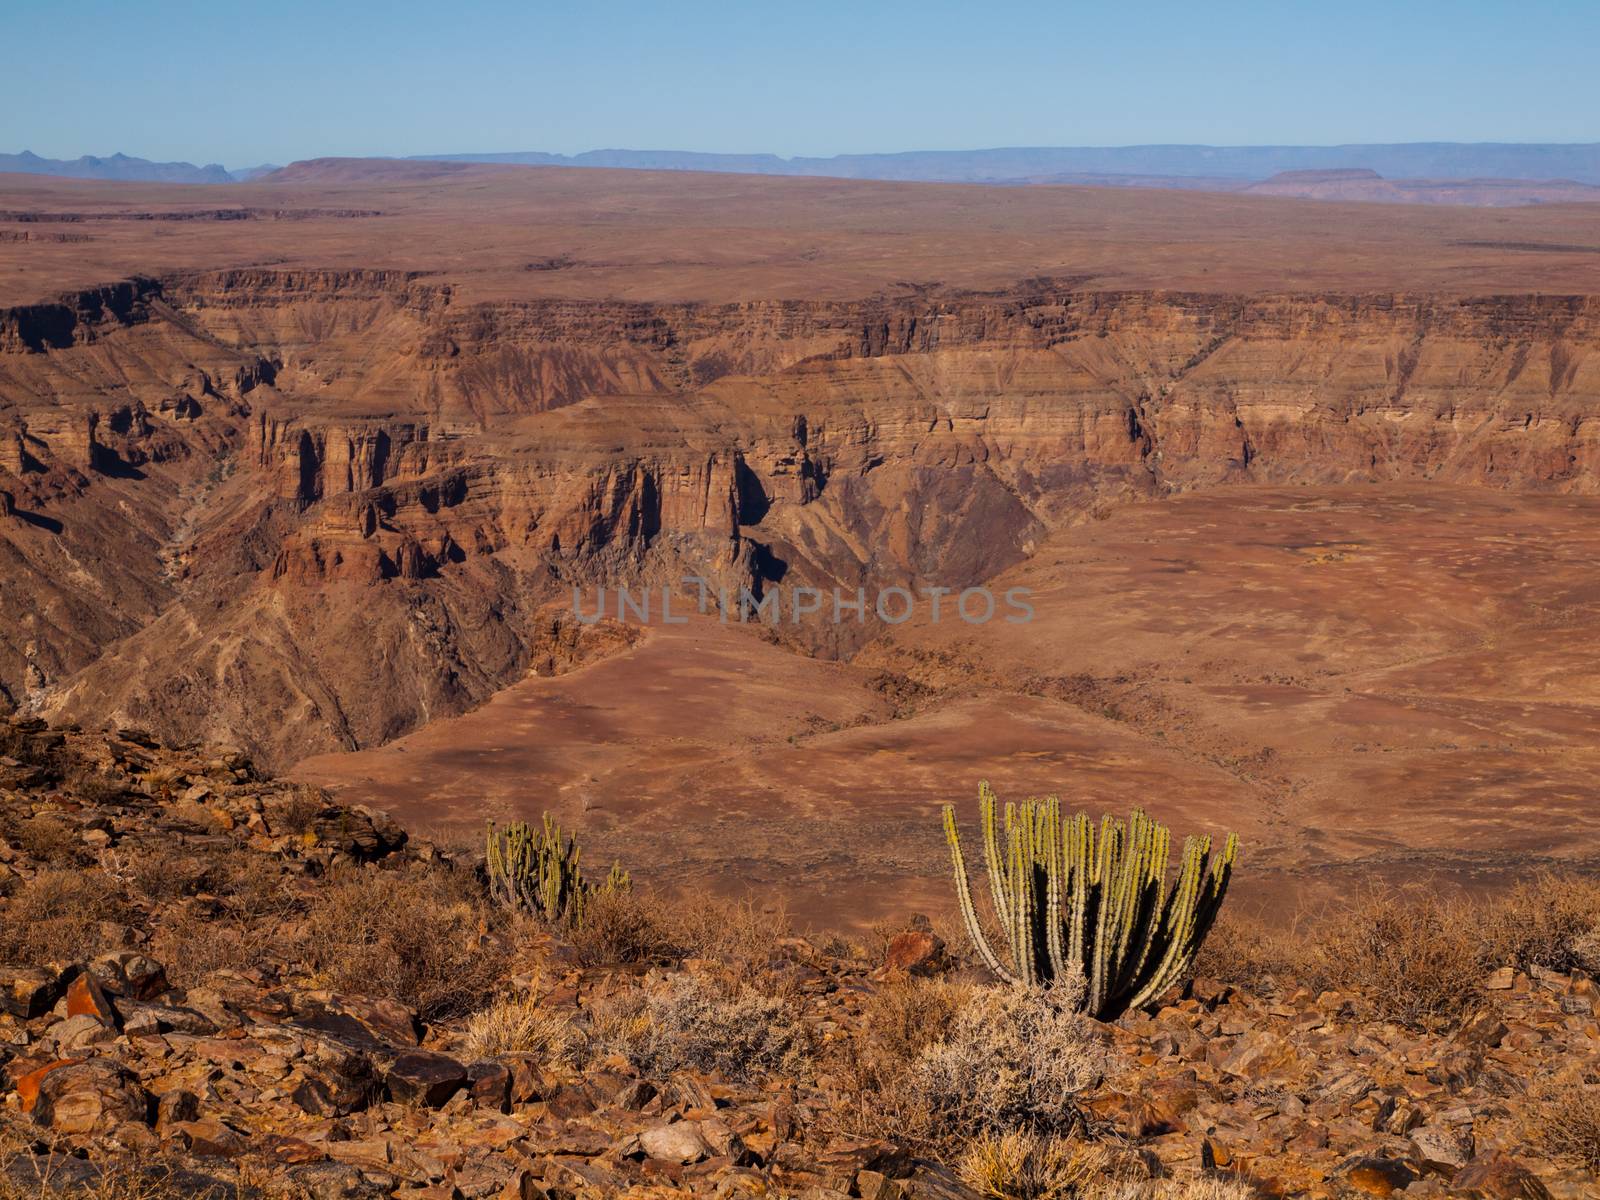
(489, 1084)
(85, 998)
(29, 1083)
(422, 1077)
(1442, 1150)
(29, 992)
(90, 1097)
(1500, 1177)
(210, 1139)
(680, 1142)
(1374, 1175)
(129, 974)
(914, 952)
(175, 1107)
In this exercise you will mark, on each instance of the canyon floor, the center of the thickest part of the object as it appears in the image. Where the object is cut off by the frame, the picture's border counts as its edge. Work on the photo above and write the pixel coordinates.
(1366, 682)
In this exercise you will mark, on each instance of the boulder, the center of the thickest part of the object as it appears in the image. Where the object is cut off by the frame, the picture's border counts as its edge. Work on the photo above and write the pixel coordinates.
(680, 1142)
(914, 952)
(422, 1077)
(90, 1097)
(30, 992)
(1441, 1150)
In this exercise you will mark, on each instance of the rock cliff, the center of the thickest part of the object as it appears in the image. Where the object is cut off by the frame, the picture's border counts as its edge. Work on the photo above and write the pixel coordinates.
(345, 503)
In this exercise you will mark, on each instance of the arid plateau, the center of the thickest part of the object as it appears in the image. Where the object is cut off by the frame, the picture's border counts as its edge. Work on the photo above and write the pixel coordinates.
(1304, 494)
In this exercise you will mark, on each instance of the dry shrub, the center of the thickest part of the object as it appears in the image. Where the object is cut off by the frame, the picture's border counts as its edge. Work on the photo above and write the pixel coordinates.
(1246, 952)
(1563, 1120)
(621, 927)
(58, 915)
(520, 1025)
(639, 926)
(297, 812)
(419, 938)
(1546, 922)
(739, 934)
(697, 1023)
(236, 903)
(898, 1021)
(51, 840)
(1417, 954)
(1013, 1058)
(1413, 953)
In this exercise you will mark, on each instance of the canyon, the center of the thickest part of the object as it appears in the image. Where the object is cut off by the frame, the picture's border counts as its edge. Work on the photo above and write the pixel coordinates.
(1303, 492)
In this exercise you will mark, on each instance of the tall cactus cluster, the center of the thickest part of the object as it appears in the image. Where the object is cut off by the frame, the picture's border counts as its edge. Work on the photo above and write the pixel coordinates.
(535, 870)
(1069, 898)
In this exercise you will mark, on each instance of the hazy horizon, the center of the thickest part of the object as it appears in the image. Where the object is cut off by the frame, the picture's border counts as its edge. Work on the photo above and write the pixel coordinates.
(197, 84)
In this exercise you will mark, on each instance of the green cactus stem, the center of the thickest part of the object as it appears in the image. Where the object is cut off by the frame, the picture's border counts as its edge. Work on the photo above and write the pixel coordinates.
(1067, 898)
(538, 872)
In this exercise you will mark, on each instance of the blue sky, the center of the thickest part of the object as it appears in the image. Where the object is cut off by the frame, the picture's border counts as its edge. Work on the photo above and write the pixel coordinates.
(245, 83)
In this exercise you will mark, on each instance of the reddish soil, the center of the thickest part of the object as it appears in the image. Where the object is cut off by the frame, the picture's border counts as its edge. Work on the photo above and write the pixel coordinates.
(1364, 682)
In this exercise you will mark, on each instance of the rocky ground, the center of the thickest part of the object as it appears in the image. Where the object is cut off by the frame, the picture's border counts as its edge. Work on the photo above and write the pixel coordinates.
(215, 984)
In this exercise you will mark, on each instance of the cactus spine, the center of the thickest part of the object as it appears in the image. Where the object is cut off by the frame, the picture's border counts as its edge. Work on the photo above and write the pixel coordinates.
(1068, 899)
(536, 871)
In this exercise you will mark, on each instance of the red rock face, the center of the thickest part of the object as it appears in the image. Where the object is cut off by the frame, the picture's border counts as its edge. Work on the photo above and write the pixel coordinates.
(313, 510)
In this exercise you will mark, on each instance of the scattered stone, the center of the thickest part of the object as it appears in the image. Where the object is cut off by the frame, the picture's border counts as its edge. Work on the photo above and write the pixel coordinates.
(677, 1143)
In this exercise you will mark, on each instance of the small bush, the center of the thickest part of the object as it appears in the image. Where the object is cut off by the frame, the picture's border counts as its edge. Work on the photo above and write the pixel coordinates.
(1245, 952)
(520, 1025)
(1564, 1120)
(51, 840)
(1541, 923)
(624, 927)
(739, 934)
(1012, 1059)
(420, 939)
(1414, 954)
(59, 915)
(701, 1024)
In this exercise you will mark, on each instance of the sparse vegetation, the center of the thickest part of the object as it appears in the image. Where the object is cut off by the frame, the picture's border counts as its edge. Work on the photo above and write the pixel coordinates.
(1564, 1119)
(696, 1022)
(1068, 902)
(521, 1025)
(419, 938)
(59, 915)
(536, 871)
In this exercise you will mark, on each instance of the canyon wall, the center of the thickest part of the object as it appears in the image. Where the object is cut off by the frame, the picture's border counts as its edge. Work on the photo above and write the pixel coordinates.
(326, 507)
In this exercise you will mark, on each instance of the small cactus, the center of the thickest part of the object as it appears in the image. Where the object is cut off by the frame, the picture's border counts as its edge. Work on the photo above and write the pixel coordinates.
(1068, 901)
(535, 870)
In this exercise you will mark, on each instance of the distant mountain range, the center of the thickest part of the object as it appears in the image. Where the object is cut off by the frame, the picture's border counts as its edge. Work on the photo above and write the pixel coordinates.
(120, 166)
(1210, 167)
(1245, 164)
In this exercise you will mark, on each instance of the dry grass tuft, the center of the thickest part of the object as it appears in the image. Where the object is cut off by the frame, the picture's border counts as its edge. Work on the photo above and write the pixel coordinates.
(1019, 1165)
(520, 1025)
